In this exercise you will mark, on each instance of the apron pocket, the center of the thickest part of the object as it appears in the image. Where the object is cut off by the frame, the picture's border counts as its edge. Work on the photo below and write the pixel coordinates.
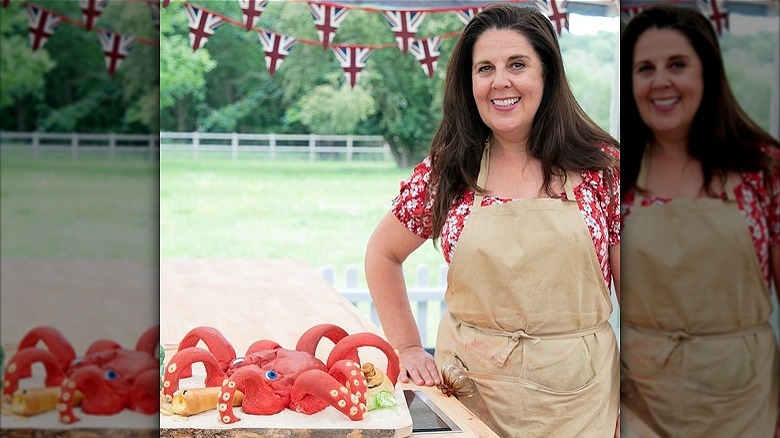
(519, 407)
(721, 365)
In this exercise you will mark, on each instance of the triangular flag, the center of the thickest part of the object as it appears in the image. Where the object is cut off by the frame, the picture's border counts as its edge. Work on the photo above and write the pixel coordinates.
(165, 3)
(154, 9)
(556, 12)
(276, 47)
(427, 52)
(715, 10)
(115, 48)
(42, 25)
(466, 15)
(629, 12)
(327, 18)
(202, 25)
(404, 25)
(352, 59)
(251, 11)
(6, 2)
(91, 10)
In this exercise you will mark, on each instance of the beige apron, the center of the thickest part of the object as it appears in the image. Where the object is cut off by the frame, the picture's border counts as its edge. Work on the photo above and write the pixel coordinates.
(527, 312)
(699, 357)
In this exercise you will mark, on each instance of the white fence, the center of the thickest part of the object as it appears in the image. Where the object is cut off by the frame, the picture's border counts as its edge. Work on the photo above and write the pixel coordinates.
(77, 143)
(427, 302)
(312, 146)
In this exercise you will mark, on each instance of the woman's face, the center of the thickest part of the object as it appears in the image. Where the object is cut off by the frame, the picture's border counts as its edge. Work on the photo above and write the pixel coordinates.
(667, 82)
(507, 81)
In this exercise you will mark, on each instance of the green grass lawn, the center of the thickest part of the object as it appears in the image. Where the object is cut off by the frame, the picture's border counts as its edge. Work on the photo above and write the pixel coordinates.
(322, 212)
(93, 208)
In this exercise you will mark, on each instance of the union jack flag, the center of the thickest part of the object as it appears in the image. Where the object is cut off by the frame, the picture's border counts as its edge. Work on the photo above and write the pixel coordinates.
(42, 25)
(251, 11)
(91, 10)
(327, 18)
(202, 25)
(352, 59)
(276, 47)
(404, 25)
(466, 15)
(629, 12)
(715, 10)
(427, 52)
(154, 8)
(556, 12)
(115, 48)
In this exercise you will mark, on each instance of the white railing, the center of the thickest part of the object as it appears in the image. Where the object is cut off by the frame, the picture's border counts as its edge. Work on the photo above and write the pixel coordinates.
(75, 143)
(312, 146)
(422, 297)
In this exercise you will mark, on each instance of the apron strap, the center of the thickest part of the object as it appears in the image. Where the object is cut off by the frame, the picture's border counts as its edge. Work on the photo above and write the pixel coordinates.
(513, 339)
(641, 179)
(730, 186)
(482, 178)
(569, 189)
(677, 337)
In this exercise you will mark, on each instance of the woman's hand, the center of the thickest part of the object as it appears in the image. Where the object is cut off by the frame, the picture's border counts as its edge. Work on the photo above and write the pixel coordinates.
(418, 366)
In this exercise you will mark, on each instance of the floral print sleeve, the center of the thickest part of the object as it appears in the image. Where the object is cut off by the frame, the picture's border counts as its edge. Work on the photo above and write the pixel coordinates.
(413, 204)
(596, 198)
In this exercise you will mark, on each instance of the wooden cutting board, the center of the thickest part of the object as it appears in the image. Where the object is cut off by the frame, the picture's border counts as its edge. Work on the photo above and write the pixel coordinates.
(329, 423)
(279, 300)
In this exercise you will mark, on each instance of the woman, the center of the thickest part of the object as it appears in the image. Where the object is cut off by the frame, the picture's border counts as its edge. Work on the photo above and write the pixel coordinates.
(532, 245)
(701, 237)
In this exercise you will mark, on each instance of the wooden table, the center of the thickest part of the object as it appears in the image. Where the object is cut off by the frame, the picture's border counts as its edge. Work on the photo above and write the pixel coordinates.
(277, 299)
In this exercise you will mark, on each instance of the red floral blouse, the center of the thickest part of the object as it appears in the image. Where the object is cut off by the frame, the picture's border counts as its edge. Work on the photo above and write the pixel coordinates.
(597, 203)
(760, 209)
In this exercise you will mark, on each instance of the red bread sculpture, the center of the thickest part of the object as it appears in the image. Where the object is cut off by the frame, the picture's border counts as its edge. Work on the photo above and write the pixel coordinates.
(273, 378)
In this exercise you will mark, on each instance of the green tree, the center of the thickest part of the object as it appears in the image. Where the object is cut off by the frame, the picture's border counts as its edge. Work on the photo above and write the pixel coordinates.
(22, 71)
(182, 71)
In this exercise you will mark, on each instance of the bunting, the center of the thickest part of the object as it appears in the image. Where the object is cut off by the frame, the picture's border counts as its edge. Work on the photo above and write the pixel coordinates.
(115, 48)
(352, 59)
(427, 52)
(556, 12)
(276, 47)
(154, 9)
(165, 3)
(327, 18)
(629, 12)
(42, 25)
(465, 15)
(251, 11)
(202, 25)
(715, 10)
(6, 2)
(404, 25)
(91, 10)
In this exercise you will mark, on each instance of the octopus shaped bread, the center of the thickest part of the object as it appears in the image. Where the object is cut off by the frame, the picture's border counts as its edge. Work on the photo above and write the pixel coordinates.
(269, 378)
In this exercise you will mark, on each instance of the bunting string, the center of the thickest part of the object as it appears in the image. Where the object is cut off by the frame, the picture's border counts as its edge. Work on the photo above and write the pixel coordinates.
(42, 24)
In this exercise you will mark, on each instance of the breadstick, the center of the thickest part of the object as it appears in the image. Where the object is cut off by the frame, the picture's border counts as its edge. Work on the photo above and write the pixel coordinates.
(194, 401)
(33, 401)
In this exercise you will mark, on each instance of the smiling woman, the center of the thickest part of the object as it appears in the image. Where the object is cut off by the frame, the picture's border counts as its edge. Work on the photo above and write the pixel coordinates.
(520, 184)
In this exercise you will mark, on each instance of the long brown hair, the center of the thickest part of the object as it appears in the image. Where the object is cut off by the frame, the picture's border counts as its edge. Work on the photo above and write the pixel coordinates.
(722, 136)
(562, 136)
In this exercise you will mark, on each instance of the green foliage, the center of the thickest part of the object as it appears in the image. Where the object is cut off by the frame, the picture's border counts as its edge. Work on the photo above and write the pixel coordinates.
(327, 109)
(64, 86)
(22, 71)
(749, 68)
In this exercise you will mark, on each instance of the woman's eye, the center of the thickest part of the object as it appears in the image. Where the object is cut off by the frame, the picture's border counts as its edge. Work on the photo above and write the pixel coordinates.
(484, 68)
(644, 69)
(678, 65)
(518, 65)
